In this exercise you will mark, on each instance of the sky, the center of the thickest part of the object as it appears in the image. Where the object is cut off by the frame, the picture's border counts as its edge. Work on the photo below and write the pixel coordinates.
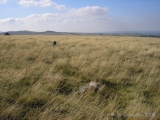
(80, 15)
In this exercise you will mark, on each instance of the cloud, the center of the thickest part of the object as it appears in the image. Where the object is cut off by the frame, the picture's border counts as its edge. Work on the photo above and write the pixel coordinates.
(74, 21)
(85, 19)
(41, 3)
(91, 11)
(3, 1)
(47, 17)
(10, 21)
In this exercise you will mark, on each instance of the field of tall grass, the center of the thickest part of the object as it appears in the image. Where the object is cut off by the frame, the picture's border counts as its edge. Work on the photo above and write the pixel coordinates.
(39, 81)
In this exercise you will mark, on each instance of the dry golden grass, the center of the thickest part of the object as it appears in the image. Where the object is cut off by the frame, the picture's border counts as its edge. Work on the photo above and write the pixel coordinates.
(39, 81)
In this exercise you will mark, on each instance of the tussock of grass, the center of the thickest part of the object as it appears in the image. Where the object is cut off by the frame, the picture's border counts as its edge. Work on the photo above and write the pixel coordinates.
(41, 81)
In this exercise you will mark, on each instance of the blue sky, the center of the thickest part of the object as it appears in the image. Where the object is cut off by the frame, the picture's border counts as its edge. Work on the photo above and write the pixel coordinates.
(80, 15)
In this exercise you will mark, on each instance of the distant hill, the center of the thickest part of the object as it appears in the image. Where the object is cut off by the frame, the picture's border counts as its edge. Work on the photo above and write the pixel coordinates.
(25, 32)
(140, 34)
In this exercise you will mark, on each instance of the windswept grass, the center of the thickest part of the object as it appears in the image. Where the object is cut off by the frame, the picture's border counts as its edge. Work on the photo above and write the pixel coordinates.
(39, 81)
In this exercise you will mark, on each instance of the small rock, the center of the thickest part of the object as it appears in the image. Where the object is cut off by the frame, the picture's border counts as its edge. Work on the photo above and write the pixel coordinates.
(93, 84)
(89, 87)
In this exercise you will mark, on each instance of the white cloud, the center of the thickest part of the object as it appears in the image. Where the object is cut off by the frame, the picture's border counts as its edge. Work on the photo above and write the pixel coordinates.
(40, 3)
(74, 21)
(47, 17)
(85, 19)
(92, 11)
(28, 3)
(3, 1)
(60, 7)
(10, 21)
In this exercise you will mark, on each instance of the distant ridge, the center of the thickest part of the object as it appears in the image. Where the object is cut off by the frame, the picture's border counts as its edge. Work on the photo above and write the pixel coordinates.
(140, 34)
(26, 32)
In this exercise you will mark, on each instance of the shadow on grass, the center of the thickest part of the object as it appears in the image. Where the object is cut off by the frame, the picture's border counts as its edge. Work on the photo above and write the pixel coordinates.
(64, 87)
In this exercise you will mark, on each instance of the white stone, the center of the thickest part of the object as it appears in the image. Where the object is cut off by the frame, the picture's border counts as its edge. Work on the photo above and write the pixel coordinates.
(93, 84)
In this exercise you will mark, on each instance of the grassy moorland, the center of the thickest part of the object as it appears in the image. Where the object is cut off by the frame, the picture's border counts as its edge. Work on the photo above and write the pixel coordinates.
(39, 81)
